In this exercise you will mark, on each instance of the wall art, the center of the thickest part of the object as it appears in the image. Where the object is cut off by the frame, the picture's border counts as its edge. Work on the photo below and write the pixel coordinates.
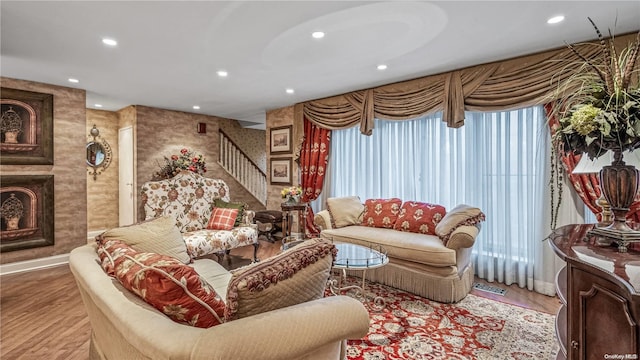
(281, 140)
(281, 171)
(26, 127)
(26, 212)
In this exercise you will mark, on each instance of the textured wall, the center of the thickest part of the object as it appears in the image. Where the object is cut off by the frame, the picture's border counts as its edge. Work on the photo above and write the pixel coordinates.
(69, 169)
(279, 117)
(162, 133)
(102, 193)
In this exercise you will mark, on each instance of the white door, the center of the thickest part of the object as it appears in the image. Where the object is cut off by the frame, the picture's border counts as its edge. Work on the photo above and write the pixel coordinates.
(125, 152)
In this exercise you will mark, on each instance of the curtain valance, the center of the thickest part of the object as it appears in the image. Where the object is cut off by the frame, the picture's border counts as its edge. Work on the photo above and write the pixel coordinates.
(520, 82)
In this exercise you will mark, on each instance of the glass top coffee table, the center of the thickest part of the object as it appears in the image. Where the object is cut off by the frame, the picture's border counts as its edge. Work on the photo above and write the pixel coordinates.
(354, 257)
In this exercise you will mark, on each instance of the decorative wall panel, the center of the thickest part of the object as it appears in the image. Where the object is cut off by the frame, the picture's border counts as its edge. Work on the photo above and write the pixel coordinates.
(26, 211)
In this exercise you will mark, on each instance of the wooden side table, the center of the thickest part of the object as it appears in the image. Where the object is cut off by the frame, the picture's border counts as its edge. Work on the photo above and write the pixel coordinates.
(600, 293)
(288, 211)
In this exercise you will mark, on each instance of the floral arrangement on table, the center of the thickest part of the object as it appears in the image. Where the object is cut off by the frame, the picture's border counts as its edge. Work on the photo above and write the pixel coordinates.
(600, 111)
(186, 160)
(292, 194)
(601, 106)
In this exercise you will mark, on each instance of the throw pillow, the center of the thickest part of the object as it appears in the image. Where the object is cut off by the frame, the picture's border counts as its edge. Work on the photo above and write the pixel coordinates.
(381, 213)
(110, 252)
(345, 211)
(419, 217)
(222, 219)
(159, 235)
(173, 288)
(458, 216)
(298, 274)
(231, 205)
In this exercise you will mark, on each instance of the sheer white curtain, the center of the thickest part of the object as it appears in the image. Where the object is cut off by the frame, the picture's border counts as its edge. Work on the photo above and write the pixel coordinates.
(498, 162)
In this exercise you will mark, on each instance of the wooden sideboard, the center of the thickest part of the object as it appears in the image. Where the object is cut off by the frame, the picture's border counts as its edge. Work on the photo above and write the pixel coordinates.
(600, 291)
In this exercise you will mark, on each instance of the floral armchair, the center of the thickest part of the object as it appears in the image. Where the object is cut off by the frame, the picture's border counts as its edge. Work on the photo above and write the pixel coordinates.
(189, 198)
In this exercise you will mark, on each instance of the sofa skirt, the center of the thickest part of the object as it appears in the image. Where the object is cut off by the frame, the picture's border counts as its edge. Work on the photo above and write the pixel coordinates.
(449, 289)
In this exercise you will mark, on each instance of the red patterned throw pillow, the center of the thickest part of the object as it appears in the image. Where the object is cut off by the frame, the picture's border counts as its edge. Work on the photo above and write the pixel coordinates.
(166, 284)
(381, 213)
(112, 252)
(222, 219)
(419, 217)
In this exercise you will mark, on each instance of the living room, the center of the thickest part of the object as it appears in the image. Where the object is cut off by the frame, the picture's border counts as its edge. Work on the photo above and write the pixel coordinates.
(85, 205)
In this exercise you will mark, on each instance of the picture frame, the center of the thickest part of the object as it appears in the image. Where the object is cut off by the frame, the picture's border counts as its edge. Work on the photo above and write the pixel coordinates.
(280, 140)
(26, 127)
(280, 169)
(27, 216)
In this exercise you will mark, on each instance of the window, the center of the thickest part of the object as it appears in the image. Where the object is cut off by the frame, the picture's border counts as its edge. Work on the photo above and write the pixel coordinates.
(497, 162)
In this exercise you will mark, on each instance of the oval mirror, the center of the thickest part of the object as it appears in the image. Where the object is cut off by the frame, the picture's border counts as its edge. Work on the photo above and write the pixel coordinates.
(95, 154)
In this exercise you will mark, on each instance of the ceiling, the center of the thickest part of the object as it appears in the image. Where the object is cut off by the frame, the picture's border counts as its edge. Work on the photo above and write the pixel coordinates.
(168, 52)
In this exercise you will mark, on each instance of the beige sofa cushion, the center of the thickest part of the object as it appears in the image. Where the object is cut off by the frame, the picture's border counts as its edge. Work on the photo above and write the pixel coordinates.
(295, 276)
(214, 274)
(456, 217)
(420, 248)
(159, 235)
(345, 211)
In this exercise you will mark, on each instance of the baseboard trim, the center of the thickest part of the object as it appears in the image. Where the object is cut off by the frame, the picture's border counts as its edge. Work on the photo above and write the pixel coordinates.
(43, 263)
(35, 264)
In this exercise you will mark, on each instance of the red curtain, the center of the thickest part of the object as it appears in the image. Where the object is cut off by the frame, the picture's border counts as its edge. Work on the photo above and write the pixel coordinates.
(314, 156)
(586, 185)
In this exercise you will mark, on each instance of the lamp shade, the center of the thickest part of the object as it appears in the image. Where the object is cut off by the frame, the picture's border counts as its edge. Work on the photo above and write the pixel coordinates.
(588, 166)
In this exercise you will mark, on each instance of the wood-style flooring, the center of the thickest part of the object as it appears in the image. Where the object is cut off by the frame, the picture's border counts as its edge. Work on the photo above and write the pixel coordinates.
(43, 317)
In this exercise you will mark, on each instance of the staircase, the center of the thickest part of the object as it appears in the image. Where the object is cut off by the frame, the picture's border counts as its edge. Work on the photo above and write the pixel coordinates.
(243, 169)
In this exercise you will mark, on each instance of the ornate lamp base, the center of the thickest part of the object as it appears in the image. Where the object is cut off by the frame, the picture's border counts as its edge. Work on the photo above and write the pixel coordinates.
(619, 183)
(621, 237)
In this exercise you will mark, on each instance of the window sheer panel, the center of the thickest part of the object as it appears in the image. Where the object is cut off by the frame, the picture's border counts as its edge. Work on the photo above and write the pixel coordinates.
(496, 162)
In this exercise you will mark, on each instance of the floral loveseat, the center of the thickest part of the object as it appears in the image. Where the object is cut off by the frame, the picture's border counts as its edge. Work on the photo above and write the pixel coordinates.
(189, 198)
(429, 248)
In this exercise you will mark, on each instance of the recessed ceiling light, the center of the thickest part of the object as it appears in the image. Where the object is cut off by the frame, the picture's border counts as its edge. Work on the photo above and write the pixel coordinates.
(555, 19)
(98, 105)
(317, 34)
(75, 81)
(382, 67)
(290, 91)
(110, 42)
(196, 107)
(222, 73)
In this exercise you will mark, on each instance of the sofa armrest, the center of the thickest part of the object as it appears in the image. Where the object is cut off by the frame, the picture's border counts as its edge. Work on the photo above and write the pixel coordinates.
(463, 237)
(311, 326)
(323, 220)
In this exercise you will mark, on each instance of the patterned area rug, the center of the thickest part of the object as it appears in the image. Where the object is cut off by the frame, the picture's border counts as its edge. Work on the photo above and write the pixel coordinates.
(411, 327)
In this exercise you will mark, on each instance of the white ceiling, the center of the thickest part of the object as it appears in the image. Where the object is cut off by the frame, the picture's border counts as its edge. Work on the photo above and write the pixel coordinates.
(168, 52)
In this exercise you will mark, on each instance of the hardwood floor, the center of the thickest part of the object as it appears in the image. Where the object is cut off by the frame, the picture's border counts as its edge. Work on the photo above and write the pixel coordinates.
(43, 317)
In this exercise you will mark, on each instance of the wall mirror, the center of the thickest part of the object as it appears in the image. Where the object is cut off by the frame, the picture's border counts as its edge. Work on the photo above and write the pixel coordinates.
(98, 153)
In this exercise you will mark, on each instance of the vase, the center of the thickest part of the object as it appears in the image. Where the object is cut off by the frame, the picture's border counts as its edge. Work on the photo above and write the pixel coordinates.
(293, 199)
(11, 137)
(13, 223)
(619, 185)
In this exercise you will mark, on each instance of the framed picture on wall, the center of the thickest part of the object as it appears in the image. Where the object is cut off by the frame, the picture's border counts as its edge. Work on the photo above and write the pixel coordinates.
(281, 171)
(26, 216)
(26, 127)
(280, 140)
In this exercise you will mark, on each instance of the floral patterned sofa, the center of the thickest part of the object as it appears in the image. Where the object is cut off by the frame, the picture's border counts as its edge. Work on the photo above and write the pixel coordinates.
(189, 198)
